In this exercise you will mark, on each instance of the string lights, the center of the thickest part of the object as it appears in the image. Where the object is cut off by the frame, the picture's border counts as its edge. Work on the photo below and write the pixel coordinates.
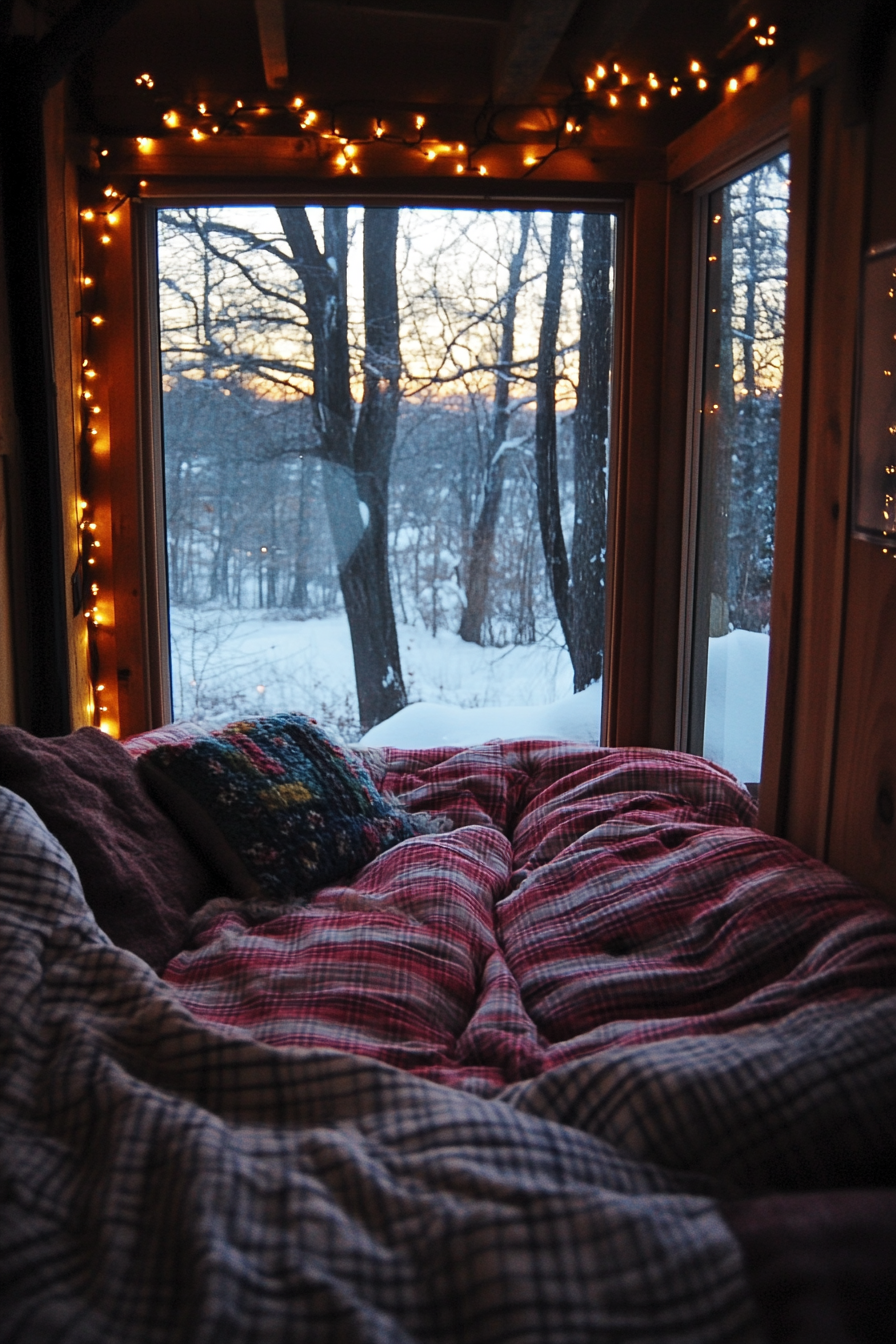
(889, 519)
(90, 600)
(605, 90)
(887, 530)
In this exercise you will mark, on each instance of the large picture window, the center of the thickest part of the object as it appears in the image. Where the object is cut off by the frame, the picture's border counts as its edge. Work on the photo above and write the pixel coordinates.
(739, 414)
(386, 461)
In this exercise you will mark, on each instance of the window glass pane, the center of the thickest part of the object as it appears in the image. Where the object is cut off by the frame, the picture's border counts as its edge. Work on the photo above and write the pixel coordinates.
(740, 418)
(386, 438)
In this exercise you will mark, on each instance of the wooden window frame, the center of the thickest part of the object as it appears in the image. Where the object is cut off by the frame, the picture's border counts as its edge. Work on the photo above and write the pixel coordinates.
(690, 579)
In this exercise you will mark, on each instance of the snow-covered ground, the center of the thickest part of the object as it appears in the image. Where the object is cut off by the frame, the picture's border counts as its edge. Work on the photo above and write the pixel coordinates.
(574, 718)
(736, 678)
(227, 663)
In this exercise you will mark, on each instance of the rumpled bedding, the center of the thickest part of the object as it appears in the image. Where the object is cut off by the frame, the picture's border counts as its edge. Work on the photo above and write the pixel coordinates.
(605, 940)
(640, 1004)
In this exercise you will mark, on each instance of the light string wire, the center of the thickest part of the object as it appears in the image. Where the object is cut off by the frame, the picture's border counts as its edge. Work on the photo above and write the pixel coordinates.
(607, 88)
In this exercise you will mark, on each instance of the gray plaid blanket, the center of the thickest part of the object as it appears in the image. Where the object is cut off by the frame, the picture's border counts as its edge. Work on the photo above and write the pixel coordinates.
(167, 1181)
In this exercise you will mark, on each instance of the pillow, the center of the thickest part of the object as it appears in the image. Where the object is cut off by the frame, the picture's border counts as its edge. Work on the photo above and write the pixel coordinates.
(184, 731)
(141, 879)
(276, 806)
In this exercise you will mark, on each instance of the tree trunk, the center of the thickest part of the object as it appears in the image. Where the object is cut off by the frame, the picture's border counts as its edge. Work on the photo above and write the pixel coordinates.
(483, 545)
(381, 690)
(724, 413)
(589, 541)
(549, 522)
(355, 465)
(746, 519)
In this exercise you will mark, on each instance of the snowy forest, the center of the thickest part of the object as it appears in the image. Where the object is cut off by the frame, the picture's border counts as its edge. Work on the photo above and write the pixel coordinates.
(396, 418)
(740, 416)
(745, 391)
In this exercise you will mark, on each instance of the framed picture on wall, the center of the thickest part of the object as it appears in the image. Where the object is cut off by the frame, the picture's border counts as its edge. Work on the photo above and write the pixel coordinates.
(874, 445)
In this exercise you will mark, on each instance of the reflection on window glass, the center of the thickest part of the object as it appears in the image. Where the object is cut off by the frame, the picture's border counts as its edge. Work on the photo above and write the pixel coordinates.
(740, 417)
(385, 444)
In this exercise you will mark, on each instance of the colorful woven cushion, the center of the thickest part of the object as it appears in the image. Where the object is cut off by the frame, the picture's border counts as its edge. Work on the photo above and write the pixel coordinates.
(275, 805)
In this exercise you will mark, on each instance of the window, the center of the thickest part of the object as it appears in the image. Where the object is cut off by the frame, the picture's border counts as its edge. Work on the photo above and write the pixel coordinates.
(739, 416)
(385, 443)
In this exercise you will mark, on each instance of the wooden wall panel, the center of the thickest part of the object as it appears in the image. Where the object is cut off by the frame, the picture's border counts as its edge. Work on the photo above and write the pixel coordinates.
(43, 672)
(863, 826)
(838, 208)
(63, 246)
(863, 830)
(8, 446)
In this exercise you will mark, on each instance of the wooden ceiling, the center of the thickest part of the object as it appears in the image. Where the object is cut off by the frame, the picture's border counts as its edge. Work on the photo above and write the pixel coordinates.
(412, 54)
(518, 80)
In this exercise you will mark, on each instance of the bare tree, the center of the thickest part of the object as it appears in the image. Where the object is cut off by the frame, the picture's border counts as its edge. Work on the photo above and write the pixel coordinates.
(759, 266)
(549, 517)
(354, 445)
(578, 589)
(356, 456)
(589, 538)
(482, 546)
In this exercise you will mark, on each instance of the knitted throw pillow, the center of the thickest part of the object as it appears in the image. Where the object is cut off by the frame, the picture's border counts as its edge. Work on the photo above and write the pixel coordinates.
(276, 807)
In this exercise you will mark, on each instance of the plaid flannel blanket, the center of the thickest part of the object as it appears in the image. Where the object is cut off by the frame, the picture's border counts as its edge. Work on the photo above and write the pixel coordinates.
(605, 943)
(163, 1180)
(606, 940)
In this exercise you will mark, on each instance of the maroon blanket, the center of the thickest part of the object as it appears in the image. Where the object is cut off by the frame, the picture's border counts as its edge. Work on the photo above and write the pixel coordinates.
(589, 899)
(822, 1266)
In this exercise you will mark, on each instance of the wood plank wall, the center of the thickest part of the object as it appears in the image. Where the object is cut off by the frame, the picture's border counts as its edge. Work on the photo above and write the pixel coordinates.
(837, 197)
(862, 838)
(829, 776)
(65, 266)
(8, 494)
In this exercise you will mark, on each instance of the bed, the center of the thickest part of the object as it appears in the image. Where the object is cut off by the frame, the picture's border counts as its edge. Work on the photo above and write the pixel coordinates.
(601, 1062)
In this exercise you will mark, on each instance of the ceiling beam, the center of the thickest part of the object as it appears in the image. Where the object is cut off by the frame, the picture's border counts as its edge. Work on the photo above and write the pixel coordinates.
(601, 29)
(489, 12)
(80, 28)
(272, 37)
(533, 34)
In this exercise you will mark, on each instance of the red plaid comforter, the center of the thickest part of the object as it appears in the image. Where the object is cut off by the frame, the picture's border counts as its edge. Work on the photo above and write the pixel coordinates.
(588, 898)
